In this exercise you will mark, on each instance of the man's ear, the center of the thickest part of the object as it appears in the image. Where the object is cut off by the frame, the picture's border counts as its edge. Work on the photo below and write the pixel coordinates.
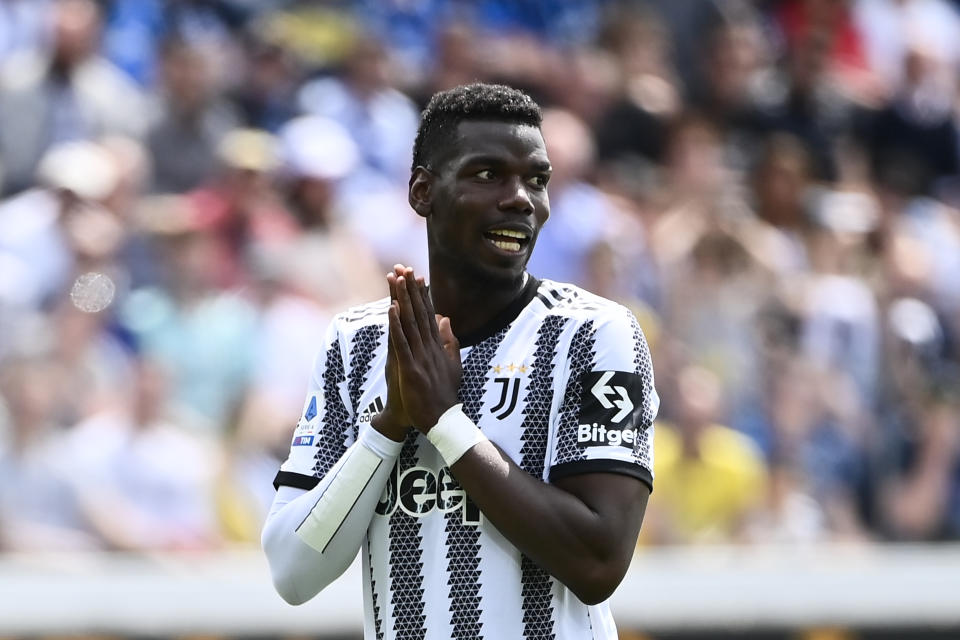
(420, 191)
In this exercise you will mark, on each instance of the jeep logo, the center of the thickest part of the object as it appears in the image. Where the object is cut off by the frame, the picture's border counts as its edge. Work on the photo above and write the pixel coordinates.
(418, 491)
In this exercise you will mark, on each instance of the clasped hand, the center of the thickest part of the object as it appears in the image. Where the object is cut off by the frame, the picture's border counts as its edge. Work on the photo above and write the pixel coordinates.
(423, 367)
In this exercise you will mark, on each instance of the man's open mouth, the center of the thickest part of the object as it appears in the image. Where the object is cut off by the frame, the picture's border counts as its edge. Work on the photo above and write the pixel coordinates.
(508, 239)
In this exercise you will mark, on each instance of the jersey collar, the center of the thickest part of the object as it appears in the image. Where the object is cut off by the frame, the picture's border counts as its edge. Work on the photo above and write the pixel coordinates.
(505, 317)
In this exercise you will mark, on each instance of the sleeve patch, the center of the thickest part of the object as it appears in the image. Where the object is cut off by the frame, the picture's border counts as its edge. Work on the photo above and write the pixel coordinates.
(611, 409)
(309, 425)
(311, 411)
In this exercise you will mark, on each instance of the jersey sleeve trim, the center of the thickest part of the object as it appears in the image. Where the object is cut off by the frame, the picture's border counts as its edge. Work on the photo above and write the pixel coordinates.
(577, 467)
(296, 480)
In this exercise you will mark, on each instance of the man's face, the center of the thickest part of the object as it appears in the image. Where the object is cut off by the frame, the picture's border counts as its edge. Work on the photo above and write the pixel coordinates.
(488, 199)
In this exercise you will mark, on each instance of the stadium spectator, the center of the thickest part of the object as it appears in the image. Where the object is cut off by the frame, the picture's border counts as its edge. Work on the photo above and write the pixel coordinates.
(711, 480)
(40, 508)
(581, 216)
(146, 481)
(333, 256)
(266, 94)
(920, 501)
(189, 120)
(67, 93)
(45, 230)
(202, 335)
(381, 120)
(240, 204)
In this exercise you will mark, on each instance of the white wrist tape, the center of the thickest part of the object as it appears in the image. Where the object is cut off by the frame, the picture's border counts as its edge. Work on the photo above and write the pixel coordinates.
(350, 480)
(454, 434)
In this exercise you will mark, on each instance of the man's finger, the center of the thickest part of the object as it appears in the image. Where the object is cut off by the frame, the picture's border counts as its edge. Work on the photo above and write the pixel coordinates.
(431, 314)
(408, 320)
(401, 348)
(392, 283)
(419, 309)
(391, 349)
(398, 270)
(447, 338)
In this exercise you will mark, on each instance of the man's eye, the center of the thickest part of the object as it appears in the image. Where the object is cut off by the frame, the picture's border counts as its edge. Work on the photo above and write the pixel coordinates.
(539, 182)
(485, 174)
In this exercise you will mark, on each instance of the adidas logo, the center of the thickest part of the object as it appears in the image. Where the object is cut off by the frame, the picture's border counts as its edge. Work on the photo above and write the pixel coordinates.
(372, 409)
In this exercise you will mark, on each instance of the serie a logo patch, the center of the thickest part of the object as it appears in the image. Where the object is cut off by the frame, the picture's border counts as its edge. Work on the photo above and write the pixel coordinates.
(309, 425)
(611, 409)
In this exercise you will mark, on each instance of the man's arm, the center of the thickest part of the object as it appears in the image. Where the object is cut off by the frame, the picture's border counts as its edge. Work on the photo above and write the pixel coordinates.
(582, 529)
(311, 536)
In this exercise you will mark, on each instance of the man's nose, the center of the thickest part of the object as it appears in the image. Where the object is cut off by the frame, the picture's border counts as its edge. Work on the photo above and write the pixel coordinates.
(516, 197)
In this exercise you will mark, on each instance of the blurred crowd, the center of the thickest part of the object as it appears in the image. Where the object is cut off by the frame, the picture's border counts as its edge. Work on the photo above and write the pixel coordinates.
(192, 188)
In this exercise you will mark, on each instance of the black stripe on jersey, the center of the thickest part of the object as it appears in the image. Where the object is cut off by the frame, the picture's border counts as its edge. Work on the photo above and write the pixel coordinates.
(539, 396)
(537, 592)
(298, 480)
(536, 585)
(377, 621)
(602, 465)
(406, 563)
(362, 347)
(643, 366)
(581, 356)
(573, 299)
(463, 548)
(335, 421)
(562, 294)
(548, 295)
(547, 302)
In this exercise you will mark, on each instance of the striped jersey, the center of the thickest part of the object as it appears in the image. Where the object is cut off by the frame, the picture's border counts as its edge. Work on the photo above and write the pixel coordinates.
(562, 382)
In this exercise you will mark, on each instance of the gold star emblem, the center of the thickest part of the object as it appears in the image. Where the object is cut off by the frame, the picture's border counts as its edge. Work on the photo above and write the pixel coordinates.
(511, 368)
(497, 368)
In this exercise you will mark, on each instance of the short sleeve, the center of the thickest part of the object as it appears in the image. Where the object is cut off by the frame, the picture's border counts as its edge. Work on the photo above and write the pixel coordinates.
(605, 420)
(325, 428)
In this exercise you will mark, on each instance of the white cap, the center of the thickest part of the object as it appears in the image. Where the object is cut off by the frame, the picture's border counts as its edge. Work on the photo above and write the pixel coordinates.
(914, 321)
(317, 147)
(844, 211)
(82, 167)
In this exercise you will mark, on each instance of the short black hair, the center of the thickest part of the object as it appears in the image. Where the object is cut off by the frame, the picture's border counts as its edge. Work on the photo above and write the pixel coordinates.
(477, 101)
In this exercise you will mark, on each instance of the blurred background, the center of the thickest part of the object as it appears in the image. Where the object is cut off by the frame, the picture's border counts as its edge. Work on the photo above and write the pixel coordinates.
(192, 188)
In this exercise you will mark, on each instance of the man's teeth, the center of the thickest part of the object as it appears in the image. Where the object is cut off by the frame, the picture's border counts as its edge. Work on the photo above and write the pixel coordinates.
(509, 233)
(507, 246)
(507, 239)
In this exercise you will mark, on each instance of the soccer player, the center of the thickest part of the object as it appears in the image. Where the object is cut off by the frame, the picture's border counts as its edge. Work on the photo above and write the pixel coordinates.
(485, 441)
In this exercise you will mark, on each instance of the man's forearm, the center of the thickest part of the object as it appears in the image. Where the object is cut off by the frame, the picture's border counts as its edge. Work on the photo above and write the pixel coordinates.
(312, 538)
(586, 549)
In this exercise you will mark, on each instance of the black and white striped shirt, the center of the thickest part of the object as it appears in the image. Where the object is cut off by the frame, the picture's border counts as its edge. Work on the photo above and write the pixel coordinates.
(563, 383)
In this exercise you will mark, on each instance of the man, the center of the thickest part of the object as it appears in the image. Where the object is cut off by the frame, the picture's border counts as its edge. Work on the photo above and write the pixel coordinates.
(493, 461)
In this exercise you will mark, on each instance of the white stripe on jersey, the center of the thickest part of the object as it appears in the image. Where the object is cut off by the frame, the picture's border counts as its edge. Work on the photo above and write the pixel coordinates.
(434, 567)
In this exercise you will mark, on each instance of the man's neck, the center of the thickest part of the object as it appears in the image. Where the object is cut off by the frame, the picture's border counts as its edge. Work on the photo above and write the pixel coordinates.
(470, 303)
